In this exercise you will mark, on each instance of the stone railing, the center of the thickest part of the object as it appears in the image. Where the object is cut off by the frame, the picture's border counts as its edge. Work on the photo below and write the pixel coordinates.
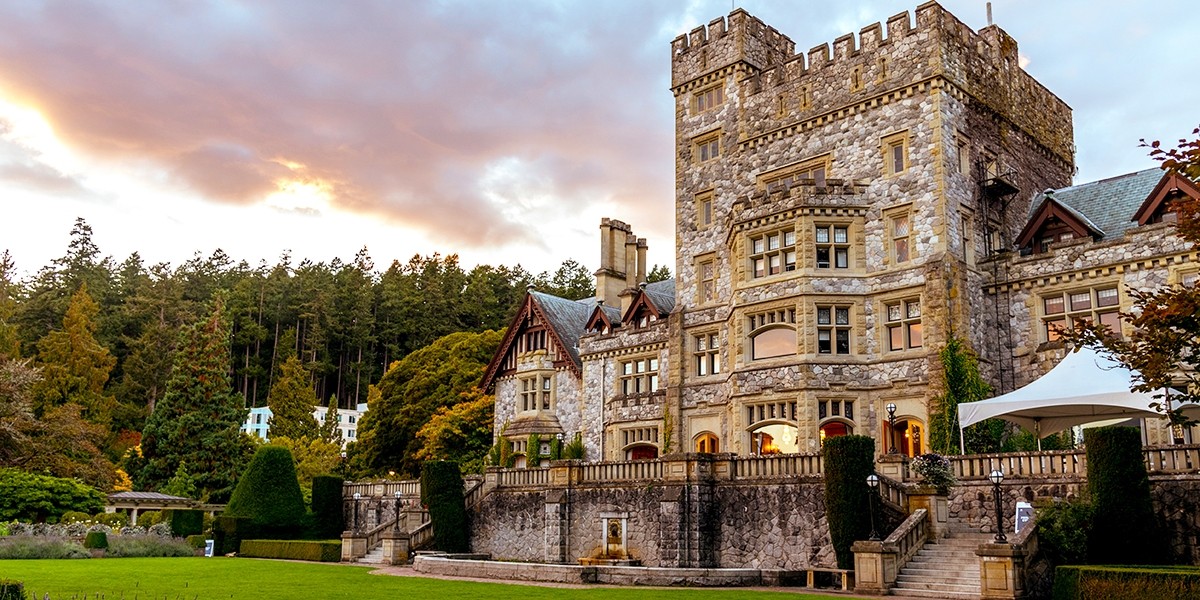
(894, 493)
(386, 489)
(422, 535)
(779, 465)
(1173, 459)
(474, 493)
(522, 477)
(877, 563)
(1046, 464)
(636, 470)
(1051, 464)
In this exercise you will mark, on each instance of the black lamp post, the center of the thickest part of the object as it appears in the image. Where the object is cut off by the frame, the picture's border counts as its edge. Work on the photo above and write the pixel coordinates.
(997, 477)
(396, 525)
(891, 410)
(873, 483)
(559, 437)
(357, 497)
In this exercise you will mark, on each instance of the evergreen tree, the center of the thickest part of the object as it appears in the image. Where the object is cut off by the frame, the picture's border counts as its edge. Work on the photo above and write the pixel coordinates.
(10, 341)
(658, 273)
(330, 432)
(292, 400)
(572, 281)
(181, 484)
(198, 419)
(74, 365)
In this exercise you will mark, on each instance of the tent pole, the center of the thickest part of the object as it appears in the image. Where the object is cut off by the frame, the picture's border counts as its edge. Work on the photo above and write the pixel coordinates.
(1037, 432)
(962, 446)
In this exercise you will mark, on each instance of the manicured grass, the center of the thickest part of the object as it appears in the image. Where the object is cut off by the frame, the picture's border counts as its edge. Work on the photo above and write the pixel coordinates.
(249, 579)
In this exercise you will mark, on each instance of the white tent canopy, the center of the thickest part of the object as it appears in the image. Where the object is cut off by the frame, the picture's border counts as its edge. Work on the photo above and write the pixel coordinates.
(1084, 388)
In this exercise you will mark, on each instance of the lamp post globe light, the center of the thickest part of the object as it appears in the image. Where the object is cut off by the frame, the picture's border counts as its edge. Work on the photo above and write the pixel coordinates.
(873, 484)
(891, 411)
(357, 497)
(997, 477)
(396, 524)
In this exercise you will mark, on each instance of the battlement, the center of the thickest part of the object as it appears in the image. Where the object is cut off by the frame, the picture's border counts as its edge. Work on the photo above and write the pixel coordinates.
(740, 37)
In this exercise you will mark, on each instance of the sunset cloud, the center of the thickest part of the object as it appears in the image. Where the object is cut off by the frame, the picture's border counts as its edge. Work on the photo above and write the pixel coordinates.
(473, 125)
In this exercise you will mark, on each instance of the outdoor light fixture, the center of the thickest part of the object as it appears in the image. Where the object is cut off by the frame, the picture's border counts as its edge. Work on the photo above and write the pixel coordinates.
(357, 497)
(891, 410)
(396, 525)
(997, 477)
(873, 483)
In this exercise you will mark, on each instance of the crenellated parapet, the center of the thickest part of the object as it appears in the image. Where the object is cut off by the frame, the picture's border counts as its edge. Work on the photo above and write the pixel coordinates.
(726, 41)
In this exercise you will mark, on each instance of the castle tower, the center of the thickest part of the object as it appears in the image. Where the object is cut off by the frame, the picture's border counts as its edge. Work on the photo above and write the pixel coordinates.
(836, 215)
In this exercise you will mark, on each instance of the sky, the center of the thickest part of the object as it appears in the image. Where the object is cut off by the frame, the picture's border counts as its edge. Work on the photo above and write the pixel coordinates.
(500, 130)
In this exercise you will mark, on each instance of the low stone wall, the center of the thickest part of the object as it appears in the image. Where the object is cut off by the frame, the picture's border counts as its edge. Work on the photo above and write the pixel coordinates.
(511, 571)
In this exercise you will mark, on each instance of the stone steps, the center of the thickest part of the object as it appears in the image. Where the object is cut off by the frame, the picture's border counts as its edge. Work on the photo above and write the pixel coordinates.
(374, 557)
(943, 568)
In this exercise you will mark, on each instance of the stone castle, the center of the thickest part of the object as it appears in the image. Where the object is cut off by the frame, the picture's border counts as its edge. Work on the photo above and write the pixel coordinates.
(840, 214)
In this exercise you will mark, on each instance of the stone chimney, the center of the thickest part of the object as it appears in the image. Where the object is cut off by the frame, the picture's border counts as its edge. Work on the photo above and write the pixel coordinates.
(611, 277)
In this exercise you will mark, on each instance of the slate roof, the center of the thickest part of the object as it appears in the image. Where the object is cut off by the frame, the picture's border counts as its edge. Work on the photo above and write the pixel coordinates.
(567, 317)
(1107, 205)
(662, 294)
(147, 496)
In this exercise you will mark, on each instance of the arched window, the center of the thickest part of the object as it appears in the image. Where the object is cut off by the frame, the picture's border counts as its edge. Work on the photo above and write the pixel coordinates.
(641, 452)
(834, 429)
(707, 442)
(775, 438)
(769, 343)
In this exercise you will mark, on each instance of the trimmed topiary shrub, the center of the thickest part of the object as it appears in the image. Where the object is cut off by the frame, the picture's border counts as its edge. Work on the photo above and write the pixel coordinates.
(96, 540)
(196, 541)
(269, 495)
(186, 522)
(329, 517)
(74, 516)
(1119, 489)
(320, 551)
(848, 460)
(1125, 583)
(442, 492)
(228, 533)
(11, 589)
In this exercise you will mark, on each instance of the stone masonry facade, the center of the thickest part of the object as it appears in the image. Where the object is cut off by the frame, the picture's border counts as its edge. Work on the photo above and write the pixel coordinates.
(840, 214)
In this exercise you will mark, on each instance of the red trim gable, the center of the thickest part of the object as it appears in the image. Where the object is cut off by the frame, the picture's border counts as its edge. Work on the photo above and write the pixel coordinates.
(515, 329)
(598, 320)
(1051, 209)
(641, 304)
(1170, 187)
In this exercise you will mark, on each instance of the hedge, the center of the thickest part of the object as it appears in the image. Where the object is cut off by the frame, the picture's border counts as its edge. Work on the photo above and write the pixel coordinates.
(11, 589)
(228, 533)
(848, 460)
(442, 492)
(186, 522)
(329, 517)
(320, 551)
(1125, 530)
(95, 540)
(1125, 583)
(269, 494)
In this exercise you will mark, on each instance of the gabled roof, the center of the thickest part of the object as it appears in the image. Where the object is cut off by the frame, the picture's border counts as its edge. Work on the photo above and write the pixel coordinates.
(658, 297)
(609, 316)
(1108, 204)
(1051, 209)
(564, 319)
(1170, 187)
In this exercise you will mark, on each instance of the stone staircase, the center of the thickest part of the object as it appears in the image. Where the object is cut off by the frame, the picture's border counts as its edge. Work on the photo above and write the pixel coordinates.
(374, 557)
(945, 568)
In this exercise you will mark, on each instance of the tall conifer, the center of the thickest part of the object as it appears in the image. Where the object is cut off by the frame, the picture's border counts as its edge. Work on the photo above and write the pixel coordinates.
(75, 367)
(292, 400)
(198, 418)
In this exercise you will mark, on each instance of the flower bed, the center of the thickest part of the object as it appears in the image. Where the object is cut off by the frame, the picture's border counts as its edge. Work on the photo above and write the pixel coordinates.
(64, 540)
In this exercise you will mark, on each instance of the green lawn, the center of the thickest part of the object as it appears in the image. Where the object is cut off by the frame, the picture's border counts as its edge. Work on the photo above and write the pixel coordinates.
(249, 579)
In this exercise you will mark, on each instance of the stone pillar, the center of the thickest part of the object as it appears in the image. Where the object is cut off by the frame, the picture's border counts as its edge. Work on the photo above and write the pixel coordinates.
(1001, 571)
(936, 507)
(558, 527)
(875, 567)
(689, 530)
(893, 466)
(397, 545)
(672, 530)
(354, 545)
